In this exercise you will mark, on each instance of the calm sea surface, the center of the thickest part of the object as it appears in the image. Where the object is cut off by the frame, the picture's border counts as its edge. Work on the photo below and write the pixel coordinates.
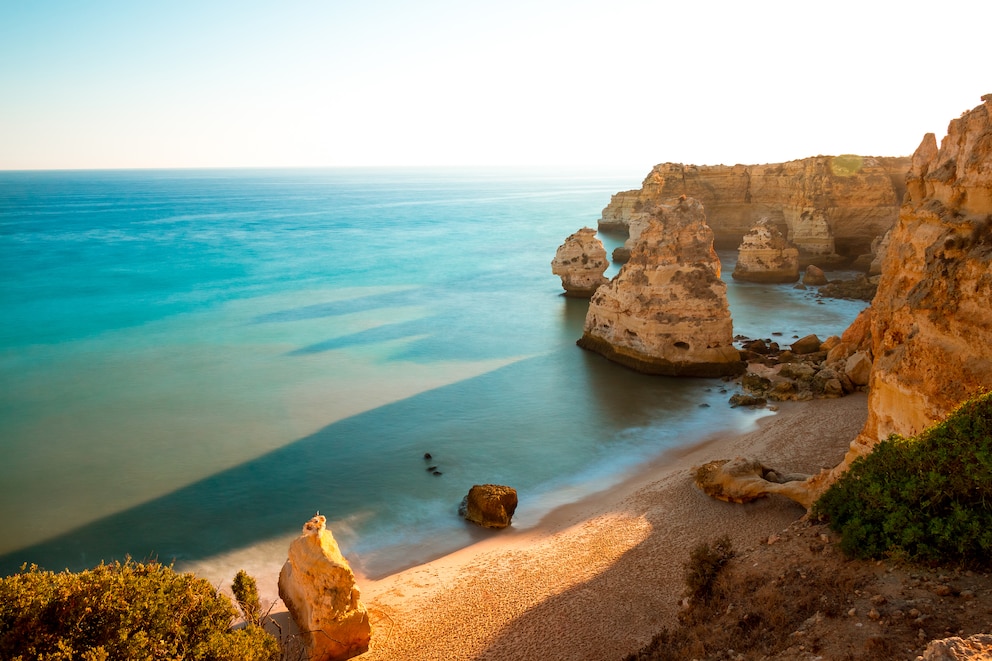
(194, 362)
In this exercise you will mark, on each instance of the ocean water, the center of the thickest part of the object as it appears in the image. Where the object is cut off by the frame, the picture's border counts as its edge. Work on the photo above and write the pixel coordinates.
(193, 363)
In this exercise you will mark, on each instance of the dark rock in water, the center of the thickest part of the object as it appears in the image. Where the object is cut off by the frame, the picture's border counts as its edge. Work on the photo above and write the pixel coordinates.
(437, 472)
(427, 456)
(808, 344)
(814, 276)
(704, 405)
(747, 400)
(431, 468)
(489, 505)
(860, 288)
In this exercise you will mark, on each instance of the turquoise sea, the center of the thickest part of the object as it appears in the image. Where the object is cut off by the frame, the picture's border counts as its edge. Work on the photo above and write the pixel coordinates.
(192, 363)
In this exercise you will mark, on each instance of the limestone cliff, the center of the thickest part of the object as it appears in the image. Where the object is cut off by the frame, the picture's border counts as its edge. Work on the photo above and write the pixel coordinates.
(931, 319)
(580, 262)
(765, 256)
(666, 311)
(826, 203)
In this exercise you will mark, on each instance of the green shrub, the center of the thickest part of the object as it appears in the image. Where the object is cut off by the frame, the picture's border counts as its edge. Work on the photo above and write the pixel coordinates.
(124, 610)
(246, 593)
(926, 498)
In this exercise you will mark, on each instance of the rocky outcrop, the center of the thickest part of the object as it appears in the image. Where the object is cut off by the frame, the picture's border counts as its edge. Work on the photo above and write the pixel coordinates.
(666, 311)
(318, 587)
(814, 276)
(765, 256)
(581, 262)
(489, 505)
(828, 203)
(931, 320)
(974, 648)
(744, 479)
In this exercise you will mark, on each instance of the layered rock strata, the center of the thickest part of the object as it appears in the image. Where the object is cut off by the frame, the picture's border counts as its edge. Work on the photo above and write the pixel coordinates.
(765, 256)
(666, 312)
(581, 262)
(318, 587)
(828, 203)
(931, 319)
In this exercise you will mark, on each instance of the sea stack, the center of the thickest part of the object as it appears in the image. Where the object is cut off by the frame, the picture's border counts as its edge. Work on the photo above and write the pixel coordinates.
(581, 262)
(766, 256)
(318, 587)
(666, 311)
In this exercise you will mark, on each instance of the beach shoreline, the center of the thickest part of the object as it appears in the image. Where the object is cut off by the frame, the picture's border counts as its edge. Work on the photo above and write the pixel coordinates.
(597, 578)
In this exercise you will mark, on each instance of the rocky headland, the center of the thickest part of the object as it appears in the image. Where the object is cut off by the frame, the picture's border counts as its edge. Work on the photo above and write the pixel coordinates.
(666, 312)
(830, 207)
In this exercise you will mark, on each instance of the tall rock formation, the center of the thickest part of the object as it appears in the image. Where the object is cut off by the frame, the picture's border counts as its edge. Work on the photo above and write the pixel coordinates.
(930, 324)
(931, 319)
(318, 587)
(666, 311)
(581, 262)
(765, 256)
(828, 203)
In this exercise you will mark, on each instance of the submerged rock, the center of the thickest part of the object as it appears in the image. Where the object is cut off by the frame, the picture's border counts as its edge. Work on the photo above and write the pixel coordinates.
(666, 312)
(318, 587)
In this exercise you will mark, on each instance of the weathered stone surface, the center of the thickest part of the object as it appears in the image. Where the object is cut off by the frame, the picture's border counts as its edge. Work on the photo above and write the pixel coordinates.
(744, 479)
(666, 311)
(974, 648)
(859, 288)
(807, 344)
(318, 587)
(858, 368)
(931, 319)
(828, 203)
(765, 256)
(489, 505)
(580, 262)
(878, 249)
(814, 276)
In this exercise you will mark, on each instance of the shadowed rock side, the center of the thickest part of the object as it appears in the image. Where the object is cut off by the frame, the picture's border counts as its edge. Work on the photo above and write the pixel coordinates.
(666, 311)
(765, 256)
(318, 587)
(829, 203)
(930, 324)
(581, 262)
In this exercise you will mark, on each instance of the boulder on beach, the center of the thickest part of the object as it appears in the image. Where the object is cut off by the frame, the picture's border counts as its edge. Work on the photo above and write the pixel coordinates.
(489, 505)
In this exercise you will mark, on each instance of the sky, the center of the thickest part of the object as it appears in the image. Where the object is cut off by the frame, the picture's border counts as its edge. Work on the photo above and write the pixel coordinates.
(617, 83)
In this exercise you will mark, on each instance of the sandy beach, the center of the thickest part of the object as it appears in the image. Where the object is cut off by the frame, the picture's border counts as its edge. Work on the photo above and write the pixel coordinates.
(596, 579)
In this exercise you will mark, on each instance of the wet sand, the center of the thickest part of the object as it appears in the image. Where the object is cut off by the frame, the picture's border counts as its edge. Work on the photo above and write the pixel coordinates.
(597, 578)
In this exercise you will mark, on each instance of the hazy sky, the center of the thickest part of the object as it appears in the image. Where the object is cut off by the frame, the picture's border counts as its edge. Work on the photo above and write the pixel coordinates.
(144, 83)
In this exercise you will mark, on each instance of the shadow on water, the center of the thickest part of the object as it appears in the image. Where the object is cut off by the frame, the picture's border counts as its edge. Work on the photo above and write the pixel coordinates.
(373, 463)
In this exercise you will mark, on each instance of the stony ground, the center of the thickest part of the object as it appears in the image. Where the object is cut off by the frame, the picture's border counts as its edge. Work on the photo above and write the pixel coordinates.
(796, 596)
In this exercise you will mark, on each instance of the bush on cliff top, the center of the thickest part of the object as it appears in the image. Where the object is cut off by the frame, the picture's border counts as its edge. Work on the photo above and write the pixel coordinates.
(123, 611)
(926, 498)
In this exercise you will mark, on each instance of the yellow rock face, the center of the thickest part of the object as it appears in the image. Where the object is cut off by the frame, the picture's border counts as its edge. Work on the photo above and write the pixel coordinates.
(581, 262)
(666, 311)
(318, 587)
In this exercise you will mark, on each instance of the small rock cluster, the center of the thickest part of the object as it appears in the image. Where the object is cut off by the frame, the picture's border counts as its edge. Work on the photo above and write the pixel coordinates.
(806, 369)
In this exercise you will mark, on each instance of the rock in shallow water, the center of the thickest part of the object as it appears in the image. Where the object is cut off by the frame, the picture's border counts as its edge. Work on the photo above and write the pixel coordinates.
(489, 505)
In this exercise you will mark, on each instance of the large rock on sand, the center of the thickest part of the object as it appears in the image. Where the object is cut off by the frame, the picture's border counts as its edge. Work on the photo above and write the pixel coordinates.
(666, 311)
(489, 505)
(581, 262)
(318, 587)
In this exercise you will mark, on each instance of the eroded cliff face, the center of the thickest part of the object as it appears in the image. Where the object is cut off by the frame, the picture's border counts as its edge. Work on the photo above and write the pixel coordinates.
(666, 312)
(580, 262)
(931, 318)
(826, 204)
(765, 256)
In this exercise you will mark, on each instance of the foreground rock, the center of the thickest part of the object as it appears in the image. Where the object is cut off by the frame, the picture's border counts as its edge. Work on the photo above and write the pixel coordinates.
(744, 479)
(829, 203)
(581, 262)
(973, 648)
(489, 505)
(318, 587)
(666, 311)
(765, 256)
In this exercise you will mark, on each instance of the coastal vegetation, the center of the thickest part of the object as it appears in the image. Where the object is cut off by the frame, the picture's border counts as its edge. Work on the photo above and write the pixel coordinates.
(927, 498)
(128, 610)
